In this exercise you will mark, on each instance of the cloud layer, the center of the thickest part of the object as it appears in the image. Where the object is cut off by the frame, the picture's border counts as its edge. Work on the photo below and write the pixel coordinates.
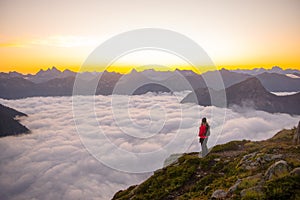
(55, 162)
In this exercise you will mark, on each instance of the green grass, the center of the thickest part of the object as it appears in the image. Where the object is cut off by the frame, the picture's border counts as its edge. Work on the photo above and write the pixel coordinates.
(230, 146)
(168, 180)
(287, 187)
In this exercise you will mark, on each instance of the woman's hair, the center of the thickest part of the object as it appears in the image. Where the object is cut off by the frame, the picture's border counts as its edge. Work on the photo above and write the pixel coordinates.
(203, 120)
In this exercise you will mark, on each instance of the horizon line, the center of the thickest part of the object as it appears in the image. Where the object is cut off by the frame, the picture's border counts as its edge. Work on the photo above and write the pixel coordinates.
(130, 69)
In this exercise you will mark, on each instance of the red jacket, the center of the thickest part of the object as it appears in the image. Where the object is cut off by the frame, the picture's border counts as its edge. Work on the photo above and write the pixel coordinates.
(202, 131)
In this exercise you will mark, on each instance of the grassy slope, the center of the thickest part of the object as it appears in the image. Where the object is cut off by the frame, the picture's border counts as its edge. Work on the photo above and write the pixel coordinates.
(197, 178)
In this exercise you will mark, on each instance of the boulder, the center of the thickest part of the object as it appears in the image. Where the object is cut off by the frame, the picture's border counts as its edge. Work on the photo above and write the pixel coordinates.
(234, 187)
(219, 194)
(278, 169)
(264, 158)
(246, 161)
(295, 171)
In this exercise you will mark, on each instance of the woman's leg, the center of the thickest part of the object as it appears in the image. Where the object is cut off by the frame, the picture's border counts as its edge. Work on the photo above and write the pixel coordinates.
(204, 147)
(201, 142)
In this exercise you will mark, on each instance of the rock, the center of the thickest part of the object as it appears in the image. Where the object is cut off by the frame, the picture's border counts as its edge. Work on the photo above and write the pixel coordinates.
(254, 160)
(219, 194)
(234, 187)
(246, 161)
(217, 159)
(278, 169)
(277, 156)
(296, 138)
(248, 156)
(295, 171)
(264, 158)
(206, 189)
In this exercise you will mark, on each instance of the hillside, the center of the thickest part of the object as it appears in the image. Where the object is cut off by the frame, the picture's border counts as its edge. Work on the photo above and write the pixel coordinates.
(249, 93)
(8, 124)
(267, 169)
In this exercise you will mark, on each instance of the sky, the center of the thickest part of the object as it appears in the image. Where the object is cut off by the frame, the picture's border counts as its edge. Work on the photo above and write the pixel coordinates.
(38, 34)
(57, 161)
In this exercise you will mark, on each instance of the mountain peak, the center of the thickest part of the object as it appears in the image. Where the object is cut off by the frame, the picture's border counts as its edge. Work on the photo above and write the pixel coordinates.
(249, 85)
(50, 71)
(276, 68)
(133, 71)
(224, 70)
(54, 69)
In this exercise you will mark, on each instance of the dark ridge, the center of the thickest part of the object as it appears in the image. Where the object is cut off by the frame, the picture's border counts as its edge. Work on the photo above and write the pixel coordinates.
(249, 93)
(8, 124)
(151, 87)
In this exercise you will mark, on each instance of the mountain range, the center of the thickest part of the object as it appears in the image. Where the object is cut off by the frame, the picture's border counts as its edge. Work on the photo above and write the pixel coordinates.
(9, 125)
(53, 82)
(274, 69)
(241, 89)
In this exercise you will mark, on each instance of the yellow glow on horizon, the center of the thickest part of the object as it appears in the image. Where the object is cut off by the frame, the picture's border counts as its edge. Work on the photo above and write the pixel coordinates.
(127, 69)
(70, 52)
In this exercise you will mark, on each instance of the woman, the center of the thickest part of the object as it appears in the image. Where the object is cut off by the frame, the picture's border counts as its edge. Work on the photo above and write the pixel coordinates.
(203, 134)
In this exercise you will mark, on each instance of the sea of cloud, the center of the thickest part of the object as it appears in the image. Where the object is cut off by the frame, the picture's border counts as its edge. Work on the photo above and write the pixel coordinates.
(91, 153)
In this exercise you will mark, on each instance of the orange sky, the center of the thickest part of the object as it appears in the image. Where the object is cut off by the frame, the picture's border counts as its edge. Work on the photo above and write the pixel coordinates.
(235, 33)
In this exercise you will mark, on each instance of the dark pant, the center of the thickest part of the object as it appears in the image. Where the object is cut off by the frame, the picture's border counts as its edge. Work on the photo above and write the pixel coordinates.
(203, 142)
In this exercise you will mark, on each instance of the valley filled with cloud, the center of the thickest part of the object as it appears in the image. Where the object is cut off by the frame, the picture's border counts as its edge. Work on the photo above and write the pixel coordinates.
(76, 150)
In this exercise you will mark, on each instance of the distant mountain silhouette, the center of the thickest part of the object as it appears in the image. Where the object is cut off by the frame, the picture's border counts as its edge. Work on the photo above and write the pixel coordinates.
(257, 71)
(8, 124)
(10, 74)
(229, 78)
(249, 93)
(53, 82)
(16, 87)
(46, 75)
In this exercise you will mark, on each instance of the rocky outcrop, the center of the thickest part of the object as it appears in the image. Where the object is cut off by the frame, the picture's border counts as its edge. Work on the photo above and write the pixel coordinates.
(233, 188)
(295, 172)
(278, 169)
(254, 160)
(219, 194)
